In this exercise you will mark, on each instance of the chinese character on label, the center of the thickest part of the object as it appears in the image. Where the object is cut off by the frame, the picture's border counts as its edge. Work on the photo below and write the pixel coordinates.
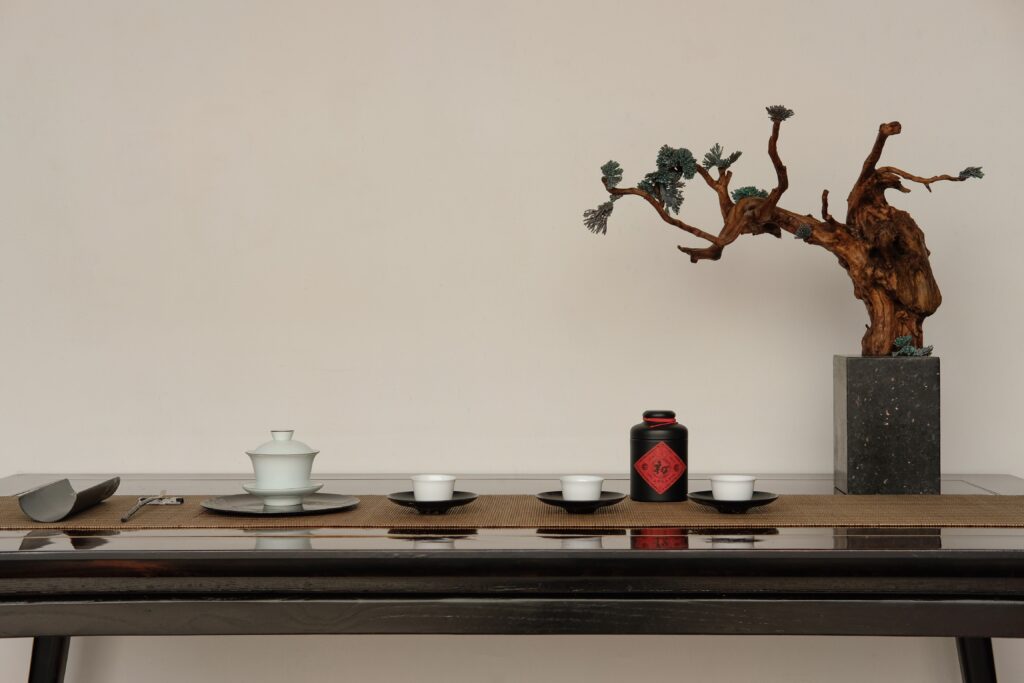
(660, 467)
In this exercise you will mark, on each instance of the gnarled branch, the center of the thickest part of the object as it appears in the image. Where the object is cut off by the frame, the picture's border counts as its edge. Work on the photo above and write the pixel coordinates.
(884, 131)
(781, 174)
(662, 211)
(721, 188)
(927, 182)
(739, 221)
(825, 215)
(745, 221)
(706, 253)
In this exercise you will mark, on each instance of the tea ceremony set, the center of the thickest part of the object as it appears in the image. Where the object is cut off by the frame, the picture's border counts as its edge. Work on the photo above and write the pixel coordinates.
(283, 485)
(283, 468)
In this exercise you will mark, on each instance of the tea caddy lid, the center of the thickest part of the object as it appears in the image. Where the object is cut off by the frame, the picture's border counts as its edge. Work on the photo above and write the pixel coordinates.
(658, 424)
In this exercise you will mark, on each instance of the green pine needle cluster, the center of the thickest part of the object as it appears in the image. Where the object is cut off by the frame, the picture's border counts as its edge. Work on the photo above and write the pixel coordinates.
(612, 173)
(904, 347)
(714, 158)
(668, 192)
(680, 161)
(777, 112)
(596, 220)
(748, 191)
(666, 184)
(971, 172)
(804, 232)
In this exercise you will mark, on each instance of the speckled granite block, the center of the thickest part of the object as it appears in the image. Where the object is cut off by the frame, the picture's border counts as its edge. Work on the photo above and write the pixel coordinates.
(886, 424)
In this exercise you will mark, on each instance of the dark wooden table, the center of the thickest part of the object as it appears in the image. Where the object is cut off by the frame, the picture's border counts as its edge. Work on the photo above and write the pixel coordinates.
(966, 584)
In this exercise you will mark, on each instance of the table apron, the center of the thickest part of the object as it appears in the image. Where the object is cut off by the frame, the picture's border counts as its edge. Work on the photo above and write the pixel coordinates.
(643, 587)
(515, 616)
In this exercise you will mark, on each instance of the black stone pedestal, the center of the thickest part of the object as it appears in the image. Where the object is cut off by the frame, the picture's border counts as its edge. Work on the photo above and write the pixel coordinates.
(886, 424)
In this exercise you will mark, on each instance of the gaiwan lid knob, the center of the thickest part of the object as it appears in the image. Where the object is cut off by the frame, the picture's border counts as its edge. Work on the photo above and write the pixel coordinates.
(282, 443)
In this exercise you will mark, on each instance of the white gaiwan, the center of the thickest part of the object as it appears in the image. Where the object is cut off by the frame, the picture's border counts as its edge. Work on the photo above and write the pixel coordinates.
(282, 467)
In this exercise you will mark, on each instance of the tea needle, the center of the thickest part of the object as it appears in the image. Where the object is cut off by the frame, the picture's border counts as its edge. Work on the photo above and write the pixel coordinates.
(139, 505)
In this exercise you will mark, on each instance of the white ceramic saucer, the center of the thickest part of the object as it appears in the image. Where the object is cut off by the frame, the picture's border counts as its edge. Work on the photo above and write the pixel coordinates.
(282, 497)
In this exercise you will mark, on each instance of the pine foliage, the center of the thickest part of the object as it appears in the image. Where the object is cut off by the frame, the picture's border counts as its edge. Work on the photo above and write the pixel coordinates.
(596, 220)
(748, 191)
(680, 161)
(777, 112)
(971, 172)
(612, 173)
(804, 232)
(668, 192)
(666, 184)
(904, 347)
(714, 158)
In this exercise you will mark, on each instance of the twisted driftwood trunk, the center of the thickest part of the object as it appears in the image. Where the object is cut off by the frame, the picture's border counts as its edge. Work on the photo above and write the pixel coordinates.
(881, 247)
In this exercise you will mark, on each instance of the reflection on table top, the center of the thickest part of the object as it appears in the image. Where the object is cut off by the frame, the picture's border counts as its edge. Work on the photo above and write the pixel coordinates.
(496, 540)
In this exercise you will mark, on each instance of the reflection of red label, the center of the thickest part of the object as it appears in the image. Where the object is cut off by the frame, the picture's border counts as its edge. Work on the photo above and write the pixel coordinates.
(659, 539)
(660, 467)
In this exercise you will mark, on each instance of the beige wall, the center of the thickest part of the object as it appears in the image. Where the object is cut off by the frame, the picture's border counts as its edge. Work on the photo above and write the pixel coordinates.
(363, 220)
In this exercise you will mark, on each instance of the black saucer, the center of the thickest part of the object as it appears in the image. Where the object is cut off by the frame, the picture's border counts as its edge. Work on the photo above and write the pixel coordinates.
(431, 507)
(580, 507)
(733, 507)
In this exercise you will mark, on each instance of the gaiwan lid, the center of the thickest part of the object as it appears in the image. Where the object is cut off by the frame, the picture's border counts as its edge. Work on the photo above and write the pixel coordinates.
(282, 443)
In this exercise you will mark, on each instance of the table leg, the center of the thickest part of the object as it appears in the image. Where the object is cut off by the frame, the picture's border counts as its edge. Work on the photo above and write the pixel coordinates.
(977, 665)
(49, 657)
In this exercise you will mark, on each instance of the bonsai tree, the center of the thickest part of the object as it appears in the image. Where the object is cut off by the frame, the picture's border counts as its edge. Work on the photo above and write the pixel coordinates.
(880, 247)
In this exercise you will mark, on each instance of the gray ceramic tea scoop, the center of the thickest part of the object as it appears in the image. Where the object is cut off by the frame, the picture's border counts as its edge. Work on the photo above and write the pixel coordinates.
(54, 501)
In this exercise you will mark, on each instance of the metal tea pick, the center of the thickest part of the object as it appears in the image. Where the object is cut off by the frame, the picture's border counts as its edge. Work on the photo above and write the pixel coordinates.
(161, 499)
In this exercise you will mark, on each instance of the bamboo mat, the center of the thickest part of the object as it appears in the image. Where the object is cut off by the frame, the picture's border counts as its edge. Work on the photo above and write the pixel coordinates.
(526, 512)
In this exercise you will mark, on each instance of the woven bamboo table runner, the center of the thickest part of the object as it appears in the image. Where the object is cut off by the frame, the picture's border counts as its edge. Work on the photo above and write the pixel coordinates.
(526, 512)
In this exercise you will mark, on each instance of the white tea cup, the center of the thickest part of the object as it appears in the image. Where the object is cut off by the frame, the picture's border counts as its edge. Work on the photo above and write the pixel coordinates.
(581, 487)
(428, 487)
(732, 487)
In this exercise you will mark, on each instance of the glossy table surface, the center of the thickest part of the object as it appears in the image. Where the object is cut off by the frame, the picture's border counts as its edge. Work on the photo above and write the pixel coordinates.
(88, 544)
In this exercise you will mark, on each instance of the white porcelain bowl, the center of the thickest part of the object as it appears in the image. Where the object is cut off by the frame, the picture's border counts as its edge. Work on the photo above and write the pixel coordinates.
(581, 487)
(428, 487)
(732, 487)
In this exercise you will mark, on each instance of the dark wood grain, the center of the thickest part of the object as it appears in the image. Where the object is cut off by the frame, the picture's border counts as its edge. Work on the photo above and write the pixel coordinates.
(516, 616)
(929, 575)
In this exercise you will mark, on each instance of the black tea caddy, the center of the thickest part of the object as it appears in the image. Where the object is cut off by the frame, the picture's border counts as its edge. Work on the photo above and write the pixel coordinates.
(658, 458)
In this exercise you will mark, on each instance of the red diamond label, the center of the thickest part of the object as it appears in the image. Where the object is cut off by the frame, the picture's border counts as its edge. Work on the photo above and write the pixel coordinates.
(660, 467)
